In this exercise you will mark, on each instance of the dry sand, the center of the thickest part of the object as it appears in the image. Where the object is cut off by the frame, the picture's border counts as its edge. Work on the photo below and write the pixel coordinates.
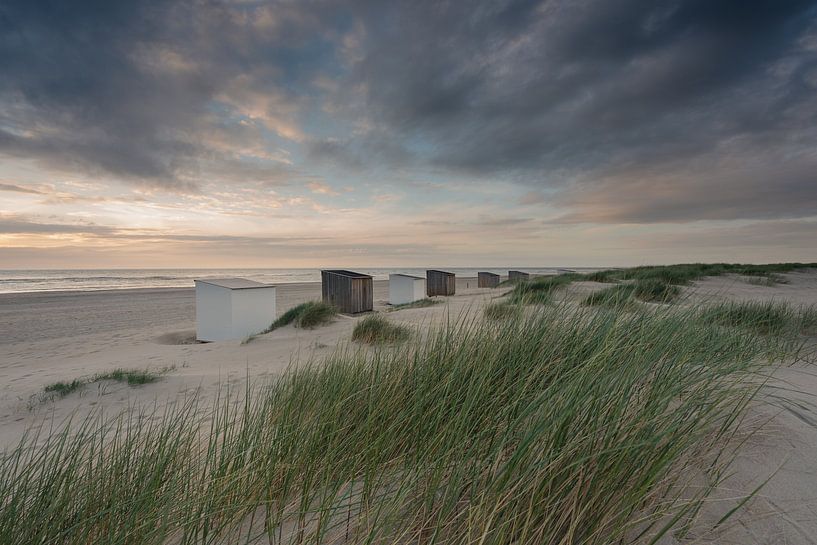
(61, 336)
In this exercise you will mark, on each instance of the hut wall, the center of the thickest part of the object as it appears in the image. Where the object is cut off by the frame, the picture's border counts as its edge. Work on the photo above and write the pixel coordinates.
(487, 280)
(440, 283)
(253, 311)
(349, 292)
(224, 314)
(213, 313)
(518, 275)
(405, 289)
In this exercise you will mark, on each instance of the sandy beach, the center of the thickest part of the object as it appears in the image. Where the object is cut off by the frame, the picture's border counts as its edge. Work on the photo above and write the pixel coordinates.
(61, 336)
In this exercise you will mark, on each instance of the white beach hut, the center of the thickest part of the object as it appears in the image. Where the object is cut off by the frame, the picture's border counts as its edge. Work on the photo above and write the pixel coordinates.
(404, 288)
(232, 308)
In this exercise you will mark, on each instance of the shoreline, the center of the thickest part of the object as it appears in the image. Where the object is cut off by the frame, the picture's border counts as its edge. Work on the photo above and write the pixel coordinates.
(34, 317)
(166, 289)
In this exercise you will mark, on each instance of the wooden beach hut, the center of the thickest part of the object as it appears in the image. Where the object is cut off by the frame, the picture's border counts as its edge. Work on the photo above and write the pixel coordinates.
(349, 291)
(404, 288)
(440, 283)
(487, 280)
(517, 275)
(232, 308)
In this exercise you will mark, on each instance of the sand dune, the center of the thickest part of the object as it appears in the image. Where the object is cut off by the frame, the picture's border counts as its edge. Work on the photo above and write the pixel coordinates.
(50, 337)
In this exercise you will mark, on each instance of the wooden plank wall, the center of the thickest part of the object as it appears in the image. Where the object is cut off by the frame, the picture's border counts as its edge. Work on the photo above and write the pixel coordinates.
(487, 280)
(440, 283)
(518, 275)
(362, 295)
(350, 295)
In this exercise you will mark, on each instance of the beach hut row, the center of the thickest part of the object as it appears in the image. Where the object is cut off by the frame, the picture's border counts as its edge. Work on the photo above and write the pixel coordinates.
(233, 308)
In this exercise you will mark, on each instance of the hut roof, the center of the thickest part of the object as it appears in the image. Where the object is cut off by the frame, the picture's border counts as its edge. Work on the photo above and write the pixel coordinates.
(235, 283)
(408, 276)
(350, 274)
(439, 271)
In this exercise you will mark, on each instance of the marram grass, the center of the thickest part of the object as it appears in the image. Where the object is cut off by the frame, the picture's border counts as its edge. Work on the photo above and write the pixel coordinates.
(375, 329)
(420, 303)
(501, 311)
(562, 426)
(684, 273)
(307, 315)
(131, 377)
(540, 290)
(763, 317)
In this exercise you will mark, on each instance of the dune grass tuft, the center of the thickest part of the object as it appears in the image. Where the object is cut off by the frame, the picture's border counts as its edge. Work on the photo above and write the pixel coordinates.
(132, 377)
(420, 303)
(770, 280)
(62, 389)
(607, 276)
(566, 425)
(650, 290)
(540, 289)
(655, 291)
(502, 311)
(763, 317)
(315, 314)
(376, 329)
(307, 315)
(684, 273)
(619, 296)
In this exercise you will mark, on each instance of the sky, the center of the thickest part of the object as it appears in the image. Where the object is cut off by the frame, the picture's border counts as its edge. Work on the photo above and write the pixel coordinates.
(176, 133)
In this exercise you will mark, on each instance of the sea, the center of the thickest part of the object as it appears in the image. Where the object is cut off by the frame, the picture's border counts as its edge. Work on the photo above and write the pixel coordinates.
(21, 281)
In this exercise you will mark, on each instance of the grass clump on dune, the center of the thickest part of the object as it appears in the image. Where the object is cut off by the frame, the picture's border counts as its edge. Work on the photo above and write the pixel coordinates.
(420, 303)
(624, 295)
(618, 297)
(684, 273)
(131, 377)
(501, 311)
(655, 291)
(376, 329)
(679, 275)
(565, 426)
(768, 281)
(314, 314)
(62, 389)
(540, 290)
(763, 317)
(607, 276)
(306, 315)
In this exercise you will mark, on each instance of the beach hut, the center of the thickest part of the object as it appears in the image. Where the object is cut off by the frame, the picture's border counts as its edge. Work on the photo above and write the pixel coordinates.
(487, 280)
(349, 291)
(517, 275)
(232, 308)
(440, 283)
(404, 288)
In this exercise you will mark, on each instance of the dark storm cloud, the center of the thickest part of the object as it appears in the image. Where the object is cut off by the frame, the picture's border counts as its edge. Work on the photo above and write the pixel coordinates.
(565, 94)
(133, 88)
(614, 105)
(75, 94)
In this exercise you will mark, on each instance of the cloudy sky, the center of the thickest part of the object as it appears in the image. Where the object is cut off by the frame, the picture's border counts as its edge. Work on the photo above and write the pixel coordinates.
(169, 133)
